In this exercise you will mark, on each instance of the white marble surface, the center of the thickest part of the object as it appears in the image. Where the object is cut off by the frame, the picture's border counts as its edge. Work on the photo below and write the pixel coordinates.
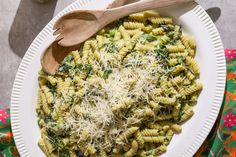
(22, 20)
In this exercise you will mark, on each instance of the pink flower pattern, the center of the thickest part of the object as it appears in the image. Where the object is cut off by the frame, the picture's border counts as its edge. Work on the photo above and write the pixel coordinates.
(3, 116)
(230, 54)
(229, 120)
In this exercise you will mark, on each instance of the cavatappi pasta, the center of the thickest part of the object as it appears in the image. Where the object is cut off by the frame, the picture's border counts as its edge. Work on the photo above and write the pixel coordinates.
(124, 93)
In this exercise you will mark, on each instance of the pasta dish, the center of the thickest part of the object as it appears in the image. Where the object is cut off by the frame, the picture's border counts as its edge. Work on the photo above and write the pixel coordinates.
(124, 93)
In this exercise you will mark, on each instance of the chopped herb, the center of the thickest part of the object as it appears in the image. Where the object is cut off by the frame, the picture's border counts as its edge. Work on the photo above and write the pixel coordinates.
(56, 128)
(110, 33)
(162, 46)
(64, 153)
(173, 41)
(57, 142)
(171, 35)
(181, 113)
(148, 153)
(120, 21)
(67, 59)
(48, 119)
(161, 53)
(52, 88)
(149, 37)
(54, 92)
(107, 73)
(181, 59)
(83, 67)
(66, 64)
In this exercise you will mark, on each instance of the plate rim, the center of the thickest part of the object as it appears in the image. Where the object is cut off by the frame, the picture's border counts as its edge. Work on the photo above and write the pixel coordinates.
(220, 81)
(218, 96)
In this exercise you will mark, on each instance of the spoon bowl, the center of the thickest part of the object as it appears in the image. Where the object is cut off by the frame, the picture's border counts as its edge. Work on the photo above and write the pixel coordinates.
(84, 21)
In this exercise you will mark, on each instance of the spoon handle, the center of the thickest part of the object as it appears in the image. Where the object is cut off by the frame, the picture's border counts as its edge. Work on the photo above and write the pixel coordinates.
(122, 11)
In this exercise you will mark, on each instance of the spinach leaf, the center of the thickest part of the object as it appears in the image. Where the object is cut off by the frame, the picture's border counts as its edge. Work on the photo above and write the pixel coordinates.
(161, 53)
(171, 35)
(162, 46)
(67, 59)
(66, 64)
(64, 153)
(120, 21)
(149, 152)
(181, 60)
(48, 119)
(56, 128)
(173, 41)
(110, 33)
(149, 37)
(107, 73)
(52, 89)
(57, 142)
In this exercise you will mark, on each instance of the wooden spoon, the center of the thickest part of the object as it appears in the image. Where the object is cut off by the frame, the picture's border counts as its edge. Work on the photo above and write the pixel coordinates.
(54, 54)
(75, 27)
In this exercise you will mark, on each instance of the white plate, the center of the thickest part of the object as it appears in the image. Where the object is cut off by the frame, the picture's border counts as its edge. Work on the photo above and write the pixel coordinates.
(210, 56)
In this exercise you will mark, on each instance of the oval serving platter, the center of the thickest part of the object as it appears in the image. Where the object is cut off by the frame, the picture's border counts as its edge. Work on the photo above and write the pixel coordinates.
(210, 56)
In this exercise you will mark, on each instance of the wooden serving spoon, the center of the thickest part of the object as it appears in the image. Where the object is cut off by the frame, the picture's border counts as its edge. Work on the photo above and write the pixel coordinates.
(55, 53)
(76, 27)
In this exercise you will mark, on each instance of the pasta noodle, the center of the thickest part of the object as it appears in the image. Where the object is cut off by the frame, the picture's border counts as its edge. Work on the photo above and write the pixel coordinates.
(150, 132)
(158, 31)
(76, 56)
(151, 13)
(193, 64)
(133, 25)
(125, 92)
(139, 139)
(133, 150)
(161, 149)
(48, 94)
(138, 17)
(175, 49)
(158, 139)
(126, 134)
(160, 20)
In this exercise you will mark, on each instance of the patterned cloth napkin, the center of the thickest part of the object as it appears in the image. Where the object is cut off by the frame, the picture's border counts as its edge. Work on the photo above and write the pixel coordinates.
(7, 144)
(221, 142)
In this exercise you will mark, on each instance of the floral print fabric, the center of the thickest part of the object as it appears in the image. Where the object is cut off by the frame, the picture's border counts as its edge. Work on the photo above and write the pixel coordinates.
(221, 142)
(7, 144)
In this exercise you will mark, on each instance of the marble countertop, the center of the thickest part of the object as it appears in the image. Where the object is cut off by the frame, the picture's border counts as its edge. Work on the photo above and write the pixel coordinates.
(22, 20)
